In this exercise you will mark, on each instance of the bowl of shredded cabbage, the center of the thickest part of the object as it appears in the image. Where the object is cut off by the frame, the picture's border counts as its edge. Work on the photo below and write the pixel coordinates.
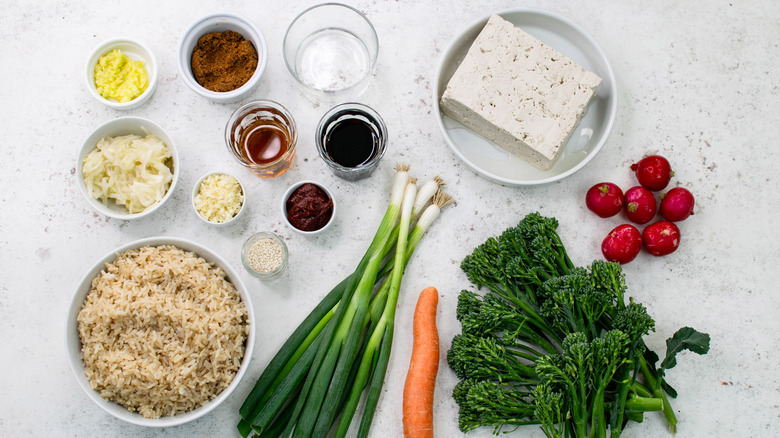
(127, 168)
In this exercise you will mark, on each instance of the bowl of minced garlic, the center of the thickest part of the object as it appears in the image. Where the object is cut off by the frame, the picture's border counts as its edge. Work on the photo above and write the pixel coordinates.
(122, 73)
(218, 198)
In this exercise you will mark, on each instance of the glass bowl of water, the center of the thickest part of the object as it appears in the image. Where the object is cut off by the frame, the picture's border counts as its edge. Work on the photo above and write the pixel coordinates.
(331, 50)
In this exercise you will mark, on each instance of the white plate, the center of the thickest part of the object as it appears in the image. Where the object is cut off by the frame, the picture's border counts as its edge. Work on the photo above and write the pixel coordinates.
(490, 160)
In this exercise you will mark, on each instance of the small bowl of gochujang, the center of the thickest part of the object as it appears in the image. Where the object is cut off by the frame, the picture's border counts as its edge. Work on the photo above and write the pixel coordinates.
(308, 207)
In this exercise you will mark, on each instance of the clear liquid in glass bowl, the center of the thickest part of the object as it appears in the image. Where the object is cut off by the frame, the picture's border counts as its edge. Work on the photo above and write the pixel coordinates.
(332, 59)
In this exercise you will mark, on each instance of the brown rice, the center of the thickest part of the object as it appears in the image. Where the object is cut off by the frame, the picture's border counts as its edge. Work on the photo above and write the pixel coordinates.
(162, 331)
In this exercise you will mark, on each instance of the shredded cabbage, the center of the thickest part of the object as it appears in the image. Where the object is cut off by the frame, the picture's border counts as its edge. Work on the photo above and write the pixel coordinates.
(132, 170)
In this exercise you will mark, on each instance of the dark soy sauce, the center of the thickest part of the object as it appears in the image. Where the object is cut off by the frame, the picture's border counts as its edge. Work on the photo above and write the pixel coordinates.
(351, 142)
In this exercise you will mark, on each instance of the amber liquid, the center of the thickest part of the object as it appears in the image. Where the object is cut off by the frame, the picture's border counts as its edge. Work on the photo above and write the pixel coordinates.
(264, 140)
(264, 144)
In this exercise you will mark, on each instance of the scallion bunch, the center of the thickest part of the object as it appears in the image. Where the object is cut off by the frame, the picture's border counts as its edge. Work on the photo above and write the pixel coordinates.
(317, 378)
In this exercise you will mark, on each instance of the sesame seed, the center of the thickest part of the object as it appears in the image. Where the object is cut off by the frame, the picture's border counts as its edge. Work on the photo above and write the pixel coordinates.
(265, 255)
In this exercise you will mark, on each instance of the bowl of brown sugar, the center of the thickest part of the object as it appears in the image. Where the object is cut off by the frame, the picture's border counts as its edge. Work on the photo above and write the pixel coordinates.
(222, 57)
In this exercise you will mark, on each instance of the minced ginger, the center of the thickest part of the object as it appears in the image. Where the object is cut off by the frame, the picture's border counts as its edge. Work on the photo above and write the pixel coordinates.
(120, 78)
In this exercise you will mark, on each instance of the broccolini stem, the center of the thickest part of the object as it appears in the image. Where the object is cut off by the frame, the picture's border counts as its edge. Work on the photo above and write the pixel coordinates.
(640, 389)
(654, 382)
(644, 404)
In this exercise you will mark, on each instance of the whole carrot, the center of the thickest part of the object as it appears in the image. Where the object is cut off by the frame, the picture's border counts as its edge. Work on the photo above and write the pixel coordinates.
(421, 378)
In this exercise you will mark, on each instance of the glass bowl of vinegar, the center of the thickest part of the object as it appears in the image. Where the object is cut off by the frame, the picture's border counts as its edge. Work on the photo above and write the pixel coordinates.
(261, 135)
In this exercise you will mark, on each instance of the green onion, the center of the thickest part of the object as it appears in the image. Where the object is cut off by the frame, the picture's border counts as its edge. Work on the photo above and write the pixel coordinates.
(323, 368)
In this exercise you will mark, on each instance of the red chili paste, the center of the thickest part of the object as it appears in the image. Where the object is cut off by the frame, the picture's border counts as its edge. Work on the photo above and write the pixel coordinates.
(309, 208)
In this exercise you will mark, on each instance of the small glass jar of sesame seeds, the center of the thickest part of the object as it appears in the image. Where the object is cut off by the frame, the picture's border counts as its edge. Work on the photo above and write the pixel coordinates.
(264, 255)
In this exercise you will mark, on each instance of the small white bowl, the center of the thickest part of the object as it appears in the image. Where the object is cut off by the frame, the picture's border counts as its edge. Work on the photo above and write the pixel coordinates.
(124, 126)
(221, 22)
(196, 189)
(136, 51)
(289, 192)
(73, 341)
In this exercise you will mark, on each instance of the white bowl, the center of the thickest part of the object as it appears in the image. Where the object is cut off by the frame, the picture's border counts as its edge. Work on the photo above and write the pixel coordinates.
(113, 128)
(196, 189)
(493, 162)
(136, 51)
(287, 196)
(221, 22)
(73, 342)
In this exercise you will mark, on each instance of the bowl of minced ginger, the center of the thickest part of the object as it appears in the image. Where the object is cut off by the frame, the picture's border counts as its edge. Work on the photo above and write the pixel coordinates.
(122, 73)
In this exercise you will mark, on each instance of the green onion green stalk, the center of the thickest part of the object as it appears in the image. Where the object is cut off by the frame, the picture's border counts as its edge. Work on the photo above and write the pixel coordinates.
(317, 378)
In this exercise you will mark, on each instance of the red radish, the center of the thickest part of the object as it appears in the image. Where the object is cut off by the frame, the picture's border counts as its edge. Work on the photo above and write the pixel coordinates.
(661, 238)
(653, 172)
(676, 204)
(640, 205)
(622, 244)
(605, 199)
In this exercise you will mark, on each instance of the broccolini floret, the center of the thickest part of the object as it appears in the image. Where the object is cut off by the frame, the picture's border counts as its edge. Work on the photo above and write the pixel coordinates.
(473, 357)
(487, 403)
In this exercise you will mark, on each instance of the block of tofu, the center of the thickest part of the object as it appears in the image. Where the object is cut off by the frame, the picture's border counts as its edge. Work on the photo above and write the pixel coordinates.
(518, 92)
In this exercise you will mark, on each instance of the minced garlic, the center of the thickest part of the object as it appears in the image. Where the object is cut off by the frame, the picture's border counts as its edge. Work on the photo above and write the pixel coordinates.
(219, 198)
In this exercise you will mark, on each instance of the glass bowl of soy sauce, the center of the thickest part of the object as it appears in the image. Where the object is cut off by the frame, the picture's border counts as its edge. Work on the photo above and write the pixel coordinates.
(351, 138)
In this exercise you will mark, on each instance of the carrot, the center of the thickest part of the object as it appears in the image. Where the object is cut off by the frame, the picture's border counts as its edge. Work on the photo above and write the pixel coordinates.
(424, 364)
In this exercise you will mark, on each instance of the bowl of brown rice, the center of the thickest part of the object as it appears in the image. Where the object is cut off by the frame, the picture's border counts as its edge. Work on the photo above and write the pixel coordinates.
(160, 331)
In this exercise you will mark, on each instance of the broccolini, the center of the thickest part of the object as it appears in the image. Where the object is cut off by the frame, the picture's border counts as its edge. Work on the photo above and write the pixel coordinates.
(553, 344)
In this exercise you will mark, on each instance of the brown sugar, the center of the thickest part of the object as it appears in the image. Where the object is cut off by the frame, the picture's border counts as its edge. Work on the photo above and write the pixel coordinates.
(223, 61)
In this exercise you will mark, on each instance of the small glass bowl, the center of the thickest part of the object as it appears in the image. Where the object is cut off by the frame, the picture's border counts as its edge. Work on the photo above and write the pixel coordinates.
(349, 111)
(265, 275)
(262, 115)
(331, 50)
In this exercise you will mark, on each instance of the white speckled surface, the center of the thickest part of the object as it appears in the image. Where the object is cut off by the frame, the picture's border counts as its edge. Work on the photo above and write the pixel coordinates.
(698, 83)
